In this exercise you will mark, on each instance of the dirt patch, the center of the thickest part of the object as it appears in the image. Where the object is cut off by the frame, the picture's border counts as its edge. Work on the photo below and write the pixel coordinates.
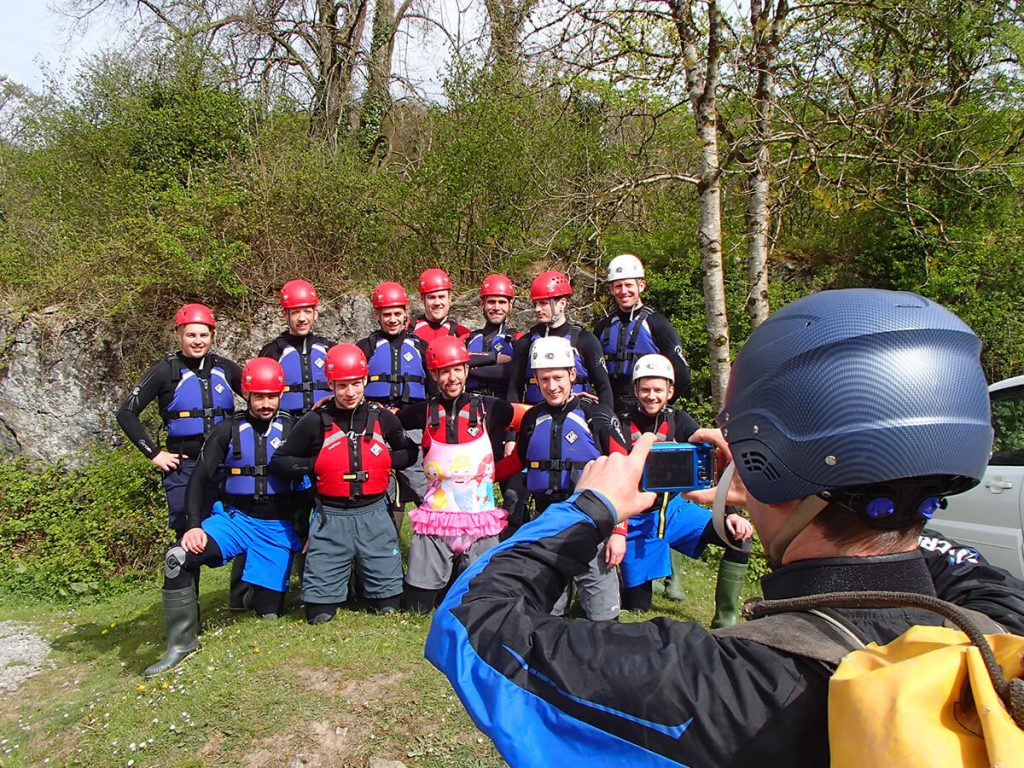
(340, 743)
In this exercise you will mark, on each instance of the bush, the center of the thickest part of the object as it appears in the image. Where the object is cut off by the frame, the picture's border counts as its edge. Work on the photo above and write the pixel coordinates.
(66, 533)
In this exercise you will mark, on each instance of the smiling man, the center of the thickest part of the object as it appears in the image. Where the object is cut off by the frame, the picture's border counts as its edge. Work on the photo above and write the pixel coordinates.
(633, 330)
(462, 433)
(436, 296)
(194, 391)
(255, 517)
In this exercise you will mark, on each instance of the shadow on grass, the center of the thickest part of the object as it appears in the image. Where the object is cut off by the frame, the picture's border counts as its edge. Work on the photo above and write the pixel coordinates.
(138, 641)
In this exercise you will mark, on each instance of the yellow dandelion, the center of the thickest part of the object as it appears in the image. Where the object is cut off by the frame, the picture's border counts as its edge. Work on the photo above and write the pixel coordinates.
(166, 685)
(113, 625)
(142, 687)
(103, 632)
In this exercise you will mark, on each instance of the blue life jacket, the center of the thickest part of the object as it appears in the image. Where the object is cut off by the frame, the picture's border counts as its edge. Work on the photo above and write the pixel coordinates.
(503, 343)
(249, 454)
(305, 382)
(397, 373)
(623, 345)
(559, 448)
(201, 399)
(533, 396)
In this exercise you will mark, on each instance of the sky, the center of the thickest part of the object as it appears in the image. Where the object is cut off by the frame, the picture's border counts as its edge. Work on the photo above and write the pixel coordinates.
(36, 41)
(33, 39)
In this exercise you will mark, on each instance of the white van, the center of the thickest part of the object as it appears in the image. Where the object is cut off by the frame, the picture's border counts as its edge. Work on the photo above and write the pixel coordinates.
(989, 516)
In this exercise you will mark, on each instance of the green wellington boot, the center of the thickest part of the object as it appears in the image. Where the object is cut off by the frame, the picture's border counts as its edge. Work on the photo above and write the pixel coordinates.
(727, 593)
(181, 621)
(674, 583)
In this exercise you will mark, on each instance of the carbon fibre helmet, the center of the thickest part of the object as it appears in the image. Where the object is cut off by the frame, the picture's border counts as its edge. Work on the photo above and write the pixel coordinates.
(264, 376)
(550, 285)
(446, 351)
(298, 293)
(624, 267)
(497, 285)
(434, 279)
(345, 361)
(195, 313)
(854, 388)
(654, 365)
(389, 295)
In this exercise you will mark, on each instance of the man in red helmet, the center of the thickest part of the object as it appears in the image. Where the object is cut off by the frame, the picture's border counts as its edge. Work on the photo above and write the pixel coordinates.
(490, 347)
(397, 376)
(193, 390)
(350, 447)
(462, 432)
(255, 517)
(301, 353)
(550, 292)
(436, 295)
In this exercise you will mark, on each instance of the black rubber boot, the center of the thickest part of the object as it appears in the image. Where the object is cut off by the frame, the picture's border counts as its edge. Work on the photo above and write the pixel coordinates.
(320, 613)
(727, 593)
(181, 622)
(418, 600)
(386, 604)
(238, 590)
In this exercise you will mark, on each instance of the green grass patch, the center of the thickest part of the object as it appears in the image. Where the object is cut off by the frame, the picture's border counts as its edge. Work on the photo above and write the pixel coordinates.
(256, 694)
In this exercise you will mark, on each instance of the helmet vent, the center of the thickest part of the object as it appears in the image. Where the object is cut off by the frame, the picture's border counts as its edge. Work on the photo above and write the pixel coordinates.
(755, 461)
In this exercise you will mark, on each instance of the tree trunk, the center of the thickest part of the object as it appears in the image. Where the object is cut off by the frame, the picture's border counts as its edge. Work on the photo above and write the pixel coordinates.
(765, 33)
(702, 87)
(377, 99)
(507, 18)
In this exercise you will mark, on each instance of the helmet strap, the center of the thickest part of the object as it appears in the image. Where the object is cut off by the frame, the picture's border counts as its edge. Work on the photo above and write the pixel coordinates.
(718, 507)
(800, 518)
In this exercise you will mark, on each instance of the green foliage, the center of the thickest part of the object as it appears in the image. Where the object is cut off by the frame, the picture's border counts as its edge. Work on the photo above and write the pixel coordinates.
(68, 532)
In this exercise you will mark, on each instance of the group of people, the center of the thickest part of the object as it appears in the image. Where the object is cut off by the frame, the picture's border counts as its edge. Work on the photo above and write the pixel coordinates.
(336, 439)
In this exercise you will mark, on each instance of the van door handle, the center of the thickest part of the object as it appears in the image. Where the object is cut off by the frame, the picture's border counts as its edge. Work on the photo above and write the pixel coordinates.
(998, 484)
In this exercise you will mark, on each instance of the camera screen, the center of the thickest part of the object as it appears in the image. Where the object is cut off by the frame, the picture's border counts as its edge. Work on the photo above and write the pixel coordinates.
(669, 469)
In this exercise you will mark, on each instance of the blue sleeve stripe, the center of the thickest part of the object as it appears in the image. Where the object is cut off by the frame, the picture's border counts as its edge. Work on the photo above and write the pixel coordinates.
(526, 730)
(672, 731)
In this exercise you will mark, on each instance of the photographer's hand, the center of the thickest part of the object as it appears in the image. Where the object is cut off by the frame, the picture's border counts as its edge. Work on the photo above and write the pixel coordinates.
(617, 478)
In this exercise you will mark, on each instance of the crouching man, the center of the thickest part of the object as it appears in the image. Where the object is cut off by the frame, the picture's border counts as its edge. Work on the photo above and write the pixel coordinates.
(254, 518)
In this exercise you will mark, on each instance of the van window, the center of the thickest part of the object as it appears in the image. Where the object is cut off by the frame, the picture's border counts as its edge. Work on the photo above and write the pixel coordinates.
(1008, 423)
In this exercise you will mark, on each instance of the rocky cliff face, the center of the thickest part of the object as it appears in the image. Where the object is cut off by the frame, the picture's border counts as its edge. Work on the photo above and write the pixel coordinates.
(62, 379)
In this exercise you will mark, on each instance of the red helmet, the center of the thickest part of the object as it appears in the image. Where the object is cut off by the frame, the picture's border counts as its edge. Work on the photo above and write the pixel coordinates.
(263, 376)
(550, 285)
(195, 313)
(298, 293)
(389, 295)
(446, 351)
(497, 285)
(345, 361)
(434, 280)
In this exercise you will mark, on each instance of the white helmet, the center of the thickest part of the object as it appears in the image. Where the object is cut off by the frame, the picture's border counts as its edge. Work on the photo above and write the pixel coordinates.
(653, 365)
(552, 352)
(623, 267)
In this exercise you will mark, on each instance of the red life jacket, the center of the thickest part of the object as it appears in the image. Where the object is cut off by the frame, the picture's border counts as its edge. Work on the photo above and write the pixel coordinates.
(465, 427)
(664, 430)
(351, 464)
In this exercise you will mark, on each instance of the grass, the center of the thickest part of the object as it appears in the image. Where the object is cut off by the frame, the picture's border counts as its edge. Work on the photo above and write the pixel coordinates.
(256, 694)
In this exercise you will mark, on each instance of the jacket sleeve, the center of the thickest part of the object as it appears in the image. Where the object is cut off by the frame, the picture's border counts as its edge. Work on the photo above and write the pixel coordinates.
(141, 395)
(593, 358)
(211, 456)
(403, 450)
(549, 691)
(963, 577)
(667, 341)
(517, 375)
(297, 455)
